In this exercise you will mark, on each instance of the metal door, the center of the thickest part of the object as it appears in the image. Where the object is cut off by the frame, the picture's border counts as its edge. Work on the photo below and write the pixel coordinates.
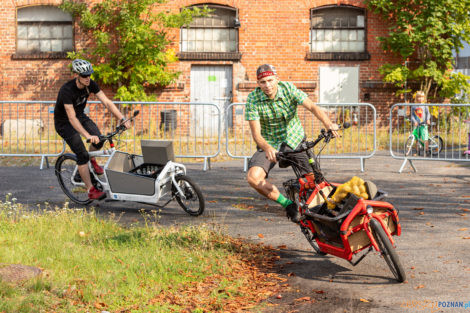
(210, 84)
(339, 84)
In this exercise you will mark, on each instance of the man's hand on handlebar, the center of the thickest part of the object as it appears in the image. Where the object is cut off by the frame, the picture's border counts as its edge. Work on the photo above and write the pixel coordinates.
(127, 124)
(334, 130)
(93, 139)
(271, 154)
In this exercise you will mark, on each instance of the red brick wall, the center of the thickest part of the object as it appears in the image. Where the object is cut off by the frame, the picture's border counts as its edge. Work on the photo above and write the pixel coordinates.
(272, 31)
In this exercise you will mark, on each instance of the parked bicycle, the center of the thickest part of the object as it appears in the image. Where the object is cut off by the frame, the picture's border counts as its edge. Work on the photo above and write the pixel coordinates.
(435, 142)
(355, 226)
(129, 177)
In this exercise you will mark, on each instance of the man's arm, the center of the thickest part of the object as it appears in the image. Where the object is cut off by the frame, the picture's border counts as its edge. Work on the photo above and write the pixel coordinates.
(77, 125)
(321, 115)
(260, 141)
(111, 107)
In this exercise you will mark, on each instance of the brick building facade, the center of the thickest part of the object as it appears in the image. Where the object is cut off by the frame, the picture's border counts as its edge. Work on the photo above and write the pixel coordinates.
(298, 37)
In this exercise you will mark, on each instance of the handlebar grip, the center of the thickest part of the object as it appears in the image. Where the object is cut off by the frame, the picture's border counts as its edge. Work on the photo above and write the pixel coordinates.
(101, 138)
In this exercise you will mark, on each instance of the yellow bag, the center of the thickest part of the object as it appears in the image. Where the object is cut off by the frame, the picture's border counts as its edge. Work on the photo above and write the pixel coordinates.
(355, 185)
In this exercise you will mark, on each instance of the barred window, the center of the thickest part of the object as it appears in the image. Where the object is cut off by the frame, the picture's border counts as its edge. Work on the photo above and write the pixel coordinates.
(339, 29)
(44, 29)
(217, 32)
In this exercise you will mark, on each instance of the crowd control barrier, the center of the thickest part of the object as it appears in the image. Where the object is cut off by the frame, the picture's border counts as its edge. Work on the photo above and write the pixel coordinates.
(27, 127)
(27, 130)
(357, 142)
(448, 130)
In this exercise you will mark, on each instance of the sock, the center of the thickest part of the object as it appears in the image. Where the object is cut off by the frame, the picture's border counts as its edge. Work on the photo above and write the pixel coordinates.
(283, 201)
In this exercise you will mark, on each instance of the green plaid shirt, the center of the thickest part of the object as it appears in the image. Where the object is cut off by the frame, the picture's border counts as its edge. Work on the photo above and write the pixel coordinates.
(278, 117)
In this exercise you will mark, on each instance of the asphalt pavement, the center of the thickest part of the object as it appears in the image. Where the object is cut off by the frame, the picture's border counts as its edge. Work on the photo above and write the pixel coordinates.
(434, 206)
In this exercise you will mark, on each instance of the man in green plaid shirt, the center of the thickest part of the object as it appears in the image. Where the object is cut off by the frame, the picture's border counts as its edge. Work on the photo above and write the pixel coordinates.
(271, 111)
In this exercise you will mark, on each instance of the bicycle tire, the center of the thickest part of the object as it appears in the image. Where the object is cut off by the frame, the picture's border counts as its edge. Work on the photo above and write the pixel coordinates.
(65, 167)
(409, 145)
(387, 251)
(311, 239)
(439, 142)
(193, 194)
(293, 195)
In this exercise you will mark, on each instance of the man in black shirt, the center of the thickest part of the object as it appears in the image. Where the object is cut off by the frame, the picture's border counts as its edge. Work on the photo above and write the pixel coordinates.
(71, 121)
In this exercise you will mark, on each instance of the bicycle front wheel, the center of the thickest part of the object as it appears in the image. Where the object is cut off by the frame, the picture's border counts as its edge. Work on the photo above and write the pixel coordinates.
(435, 145)
(66, 170)
(409, 145)
(192, 200)
(387, 251)
(311, 239)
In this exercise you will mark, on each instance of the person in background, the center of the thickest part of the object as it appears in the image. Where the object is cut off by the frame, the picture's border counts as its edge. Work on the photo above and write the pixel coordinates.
(71, 121)
(421, 119)
(271, 111)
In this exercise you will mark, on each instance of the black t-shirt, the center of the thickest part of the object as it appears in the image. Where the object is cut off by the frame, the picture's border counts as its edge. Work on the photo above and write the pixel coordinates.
(70, 94)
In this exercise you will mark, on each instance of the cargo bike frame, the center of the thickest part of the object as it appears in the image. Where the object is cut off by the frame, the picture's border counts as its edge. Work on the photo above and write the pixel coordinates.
(129, 177)
(354, 227)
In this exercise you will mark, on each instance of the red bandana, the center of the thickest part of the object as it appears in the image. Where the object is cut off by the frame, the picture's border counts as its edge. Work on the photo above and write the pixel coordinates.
(264, 74)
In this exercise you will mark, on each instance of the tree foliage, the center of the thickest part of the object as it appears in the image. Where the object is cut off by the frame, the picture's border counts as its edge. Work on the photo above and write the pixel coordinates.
(128, 43)
(425, 34)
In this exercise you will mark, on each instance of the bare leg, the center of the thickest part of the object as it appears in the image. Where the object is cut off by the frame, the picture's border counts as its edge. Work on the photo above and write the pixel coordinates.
(85, 175)
(256, 177)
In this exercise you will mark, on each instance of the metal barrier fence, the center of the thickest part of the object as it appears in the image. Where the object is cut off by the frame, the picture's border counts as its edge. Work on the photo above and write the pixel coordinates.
(449, 122)
(27, 127)
(358, 142)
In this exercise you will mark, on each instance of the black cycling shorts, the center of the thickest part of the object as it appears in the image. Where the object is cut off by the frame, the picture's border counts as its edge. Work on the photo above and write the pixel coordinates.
(73, 139)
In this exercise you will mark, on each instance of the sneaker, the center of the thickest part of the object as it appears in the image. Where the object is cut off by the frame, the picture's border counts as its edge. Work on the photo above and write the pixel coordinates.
(293, 212)
(96, 167)
(95, 194)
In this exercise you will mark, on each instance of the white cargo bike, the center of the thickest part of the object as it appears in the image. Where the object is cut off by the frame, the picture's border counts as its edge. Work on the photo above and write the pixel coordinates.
(129, 177)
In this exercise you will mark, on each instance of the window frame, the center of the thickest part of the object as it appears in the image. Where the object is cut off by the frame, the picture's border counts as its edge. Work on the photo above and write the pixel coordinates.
(337, 55)
(212, 55)
(42, 54)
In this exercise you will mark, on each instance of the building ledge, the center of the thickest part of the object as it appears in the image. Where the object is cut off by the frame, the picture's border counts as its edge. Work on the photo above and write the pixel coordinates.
(39, 55)
(210, 56)
(337, 56)
(305, 86)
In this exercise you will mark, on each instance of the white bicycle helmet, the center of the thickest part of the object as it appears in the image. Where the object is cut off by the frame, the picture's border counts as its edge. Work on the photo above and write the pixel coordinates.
(82, 67)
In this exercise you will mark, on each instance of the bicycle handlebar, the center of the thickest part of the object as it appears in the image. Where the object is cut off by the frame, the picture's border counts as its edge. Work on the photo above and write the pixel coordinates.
(119, 129)
(306, 145)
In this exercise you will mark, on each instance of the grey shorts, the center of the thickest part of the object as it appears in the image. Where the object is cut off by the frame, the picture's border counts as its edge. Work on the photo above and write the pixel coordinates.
(259, 159)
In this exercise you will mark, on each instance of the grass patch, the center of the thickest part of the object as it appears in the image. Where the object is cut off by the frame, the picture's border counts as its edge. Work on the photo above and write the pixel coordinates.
(91, 264)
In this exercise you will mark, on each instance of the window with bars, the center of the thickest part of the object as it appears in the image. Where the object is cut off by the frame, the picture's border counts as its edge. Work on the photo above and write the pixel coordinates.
(217, 32)
(43, 29)
(339, 29)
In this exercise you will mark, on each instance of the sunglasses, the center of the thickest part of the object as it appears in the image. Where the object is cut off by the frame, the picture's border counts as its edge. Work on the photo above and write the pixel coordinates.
(84, 76)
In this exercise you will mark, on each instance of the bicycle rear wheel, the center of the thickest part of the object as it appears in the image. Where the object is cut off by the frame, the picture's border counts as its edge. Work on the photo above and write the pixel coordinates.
(435, 144)
(66, 170)
(387, 251)
(192, 200)
(409, 145)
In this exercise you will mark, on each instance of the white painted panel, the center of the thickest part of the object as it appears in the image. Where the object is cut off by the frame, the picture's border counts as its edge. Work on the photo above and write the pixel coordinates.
(339, 84)
(329, 88)
(210, 84)
(349, 84)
